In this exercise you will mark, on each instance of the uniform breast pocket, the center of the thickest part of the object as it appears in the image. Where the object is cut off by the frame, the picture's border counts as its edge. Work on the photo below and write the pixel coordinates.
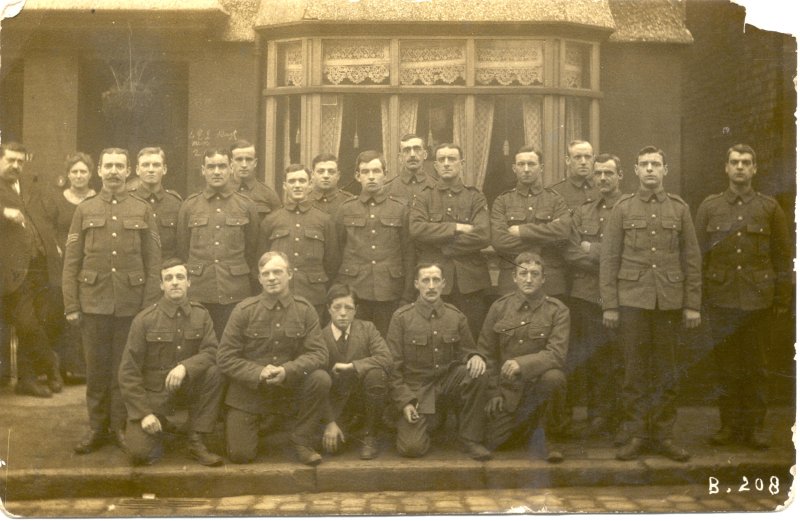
(392, 225)
(199, 232)
(279, 240)
(515, 217)
(314, 243)
(160, 350)
(543, 216)
(133, 230)
(92, 229)
(450, 340)
(191, 342)
(589, 231)
(416, 349)
(635, 233)
(234, 232)
(354, 221)
(256, 346)
(672, 229)
(759, 234)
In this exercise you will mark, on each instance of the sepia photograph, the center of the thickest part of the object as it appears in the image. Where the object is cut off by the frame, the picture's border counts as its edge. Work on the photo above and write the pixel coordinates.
(313, 258)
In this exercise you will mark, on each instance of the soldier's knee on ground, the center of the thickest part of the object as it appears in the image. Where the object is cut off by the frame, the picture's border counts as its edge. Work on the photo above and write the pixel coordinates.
(375, 381)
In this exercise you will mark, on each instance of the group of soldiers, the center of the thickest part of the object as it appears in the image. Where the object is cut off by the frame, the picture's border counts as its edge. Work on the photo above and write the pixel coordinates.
(234, 297)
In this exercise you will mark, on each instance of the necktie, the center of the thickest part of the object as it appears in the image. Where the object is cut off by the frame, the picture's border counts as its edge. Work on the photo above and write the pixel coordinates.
(342, 344)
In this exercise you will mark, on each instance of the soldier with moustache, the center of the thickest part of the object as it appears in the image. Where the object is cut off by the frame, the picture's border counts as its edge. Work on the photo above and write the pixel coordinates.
(594, 356)
(243, 169)
(111, 272)
(412, 179)
(325, 192)
(151, 167)
(218, 240)
(304, 233)
(747, 275)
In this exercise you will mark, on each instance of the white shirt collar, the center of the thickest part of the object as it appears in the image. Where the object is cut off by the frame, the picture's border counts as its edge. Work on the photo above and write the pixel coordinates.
(338, 332)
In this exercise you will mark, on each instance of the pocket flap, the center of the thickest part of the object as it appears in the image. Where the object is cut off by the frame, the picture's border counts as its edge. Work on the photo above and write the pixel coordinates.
(394, 222)
(314, 233)
(418, 340)
(450, 337)
(239, 269)
(590, 228)
(718, 227)
(160, 336)
(517, 216)
(168, 222)
(715, 275)
(193, 334)
(761, 229)
(134, 224)
(763, 275)
(93, 222)
(354, 220)
(236, 221)
(87, 276)
(277, 234)
(200, 220)
(352, 271)
(543, 215)
(435, 217)
(195, 269)
(537, 333)
(675, 276)
(136, 278)
(256, 332)
(671, 224)
(628, 275)
(634, 223)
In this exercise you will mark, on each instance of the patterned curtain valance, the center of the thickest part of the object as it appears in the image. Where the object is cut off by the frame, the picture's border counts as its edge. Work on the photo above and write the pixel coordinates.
(509, 62)
(356, 61)
(432, 62)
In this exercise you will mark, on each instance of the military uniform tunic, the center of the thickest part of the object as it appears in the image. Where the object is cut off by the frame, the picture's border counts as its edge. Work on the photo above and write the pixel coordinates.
(165, 204)
(544, 225)
(575, 194)
(308, 236)
(217, 236)
(408, 186)
(264, 197)
(329, 203)
(433, 228)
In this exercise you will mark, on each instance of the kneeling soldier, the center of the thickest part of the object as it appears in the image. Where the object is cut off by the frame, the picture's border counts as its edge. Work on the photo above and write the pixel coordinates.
(273, 353)
(168, 362)
(435, 362)
(359, 361)
(526, 333)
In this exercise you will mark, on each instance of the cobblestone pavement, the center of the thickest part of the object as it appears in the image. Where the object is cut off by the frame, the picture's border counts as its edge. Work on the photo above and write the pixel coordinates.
(676, 499)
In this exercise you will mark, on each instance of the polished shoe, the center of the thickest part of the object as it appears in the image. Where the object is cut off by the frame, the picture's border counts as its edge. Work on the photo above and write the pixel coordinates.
(369, 448)
(199, 451)
(670, 450)
(476, 451)
(119, 440)
(307, 455)
(91, 442)
(724, 436)
(631, 450)
(554, 456)
(31, 387)
(758, 439)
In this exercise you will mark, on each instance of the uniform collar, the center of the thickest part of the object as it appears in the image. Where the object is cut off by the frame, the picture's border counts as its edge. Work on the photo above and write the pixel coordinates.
(303, 206)
(226, 191)
(316, 195)
(364, 196)
(107, 196)
(609, 200)
(535, 188)
(455, 187)
(427, 310)
(533, 302)
(144, 193)
(248, 183)
(170, 308)
(271, 301)
(581, 183)
(645, 194)
(746, 197)
(406, 176)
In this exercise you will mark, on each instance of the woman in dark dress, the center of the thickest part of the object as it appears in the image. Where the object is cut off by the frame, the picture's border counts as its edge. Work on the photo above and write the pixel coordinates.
(79, 168)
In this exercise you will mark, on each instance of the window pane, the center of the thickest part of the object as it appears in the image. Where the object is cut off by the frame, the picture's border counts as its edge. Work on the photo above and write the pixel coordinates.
(577, 119)
(509, 62)
(287, 138)
(361, 130)
(432, 62)
(290, 64)
(435, 119)
(575, 72)
(355, 62)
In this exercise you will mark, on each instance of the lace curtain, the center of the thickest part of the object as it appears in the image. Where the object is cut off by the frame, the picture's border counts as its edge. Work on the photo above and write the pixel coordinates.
(575, 124)
(386, 137)
(292, 57)
(287, 136)
(332, 110)
(484, 117)
(507, 62)
(356, 61)
(432, 62)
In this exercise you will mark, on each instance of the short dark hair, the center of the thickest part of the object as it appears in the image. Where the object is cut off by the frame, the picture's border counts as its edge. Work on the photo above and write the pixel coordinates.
(296, 167)
(528, 257)
(269, 255)
(79, 157)
(370, 155)
(12, 146)
(529, 148)
(172, 262)
(152, 150)
(339, 290)
(575, 142)
(650, 149)
(239, 143)
(408, 136)
(425, 265)
(322, 157)
(114, 150)
(448, 145)
(604, 158)
(216, 151)
(741, 148)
